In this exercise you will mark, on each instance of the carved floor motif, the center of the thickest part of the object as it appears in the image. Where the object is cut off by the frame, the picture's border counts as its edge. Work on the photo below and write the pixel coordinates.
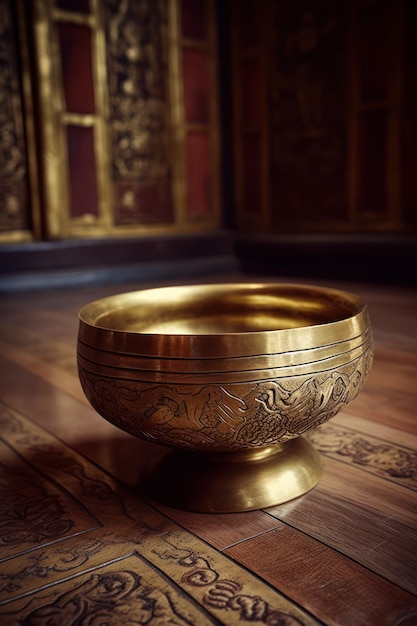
(383, 458)
(34, 511)
(109, 557)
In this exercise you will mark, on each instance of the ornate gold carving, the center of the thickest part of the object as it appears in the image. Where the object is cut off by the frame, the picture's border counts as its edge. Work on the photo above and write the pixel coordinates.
(114, 597)
(139, 103)
(226, 417)
(120, 596)
(28, 512)
(33, 512)
(138, 124)
(225, 594)
(393, 462)
(13, 166)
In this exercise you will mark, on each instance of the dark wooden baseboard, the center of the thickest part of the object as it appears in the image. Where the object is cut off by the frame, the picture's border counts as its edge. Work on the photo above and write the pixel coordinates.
(382, 259)
(72, 263)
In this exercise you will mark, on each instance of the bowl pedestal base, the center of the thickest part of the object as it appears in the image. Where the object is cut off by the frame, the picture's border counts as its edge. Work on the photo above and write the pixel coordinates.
(244, 480)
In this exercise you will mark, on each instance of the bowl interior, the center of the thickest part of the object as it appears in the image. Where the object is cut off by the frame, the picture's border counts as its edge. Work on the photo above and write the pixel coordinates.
(221, 309)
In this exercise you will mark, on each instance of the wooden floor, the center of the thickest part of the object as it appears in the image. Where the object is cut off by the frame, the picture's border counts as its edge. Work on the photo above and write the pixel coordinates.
(70, 519)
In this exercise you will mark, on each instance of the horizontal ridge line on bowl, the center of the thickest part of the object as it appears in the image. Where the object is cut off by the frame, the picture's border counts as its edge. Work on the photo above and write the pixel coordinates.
(273, 361)
(223, 346)
(161, 357)
(306, 369)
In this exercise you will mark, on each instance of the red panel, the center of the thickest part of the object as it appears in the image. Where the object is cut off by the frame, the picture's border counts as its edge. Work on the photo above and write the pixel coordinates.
(251, 93)
(252, 173)
(77, 6)
(250, 23)
(196, 77)
(77, 73)
(198, 174)
(82, 171)
(409, 135)
(372, 170)
(143, 203)
(194, 19)
(409, 168)
(307, 99)
(374, 54)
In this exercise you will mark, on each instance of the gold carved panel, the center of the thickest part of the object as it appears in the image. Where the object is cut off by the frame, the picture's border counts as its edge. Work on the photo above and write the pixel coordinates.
(112, 123)
(18, 210)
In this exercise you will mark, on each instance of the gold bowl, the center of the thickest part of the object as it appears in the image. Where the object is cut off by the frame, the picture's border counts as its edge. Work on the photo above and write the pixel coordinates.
(231, 376)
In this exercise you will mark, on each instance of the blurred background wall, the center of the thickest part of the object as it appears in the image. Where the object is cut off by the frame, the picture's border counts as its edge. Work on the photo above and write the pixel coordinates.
(281, 134)
(325, 115)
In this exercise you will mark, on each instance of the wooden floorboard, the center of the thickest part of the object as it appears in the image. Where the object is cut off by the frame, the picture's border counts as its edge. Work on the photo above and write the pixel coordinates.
(322, 580)
(362, 517)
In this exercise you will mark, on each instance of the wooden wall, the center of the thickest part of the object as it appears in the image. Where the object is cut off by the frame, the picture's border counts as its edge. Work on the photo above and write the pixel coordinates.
(325, 112)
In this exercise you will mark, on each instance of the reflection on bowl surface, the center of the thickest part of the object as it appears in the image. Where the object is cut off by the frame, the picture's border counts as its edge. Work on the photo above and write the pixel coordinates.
(219, 309)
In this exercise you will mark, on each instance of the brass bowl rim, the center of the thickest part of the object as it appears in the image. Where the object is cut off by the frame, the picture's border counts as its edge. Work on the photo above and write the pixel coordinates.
(229, 344)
